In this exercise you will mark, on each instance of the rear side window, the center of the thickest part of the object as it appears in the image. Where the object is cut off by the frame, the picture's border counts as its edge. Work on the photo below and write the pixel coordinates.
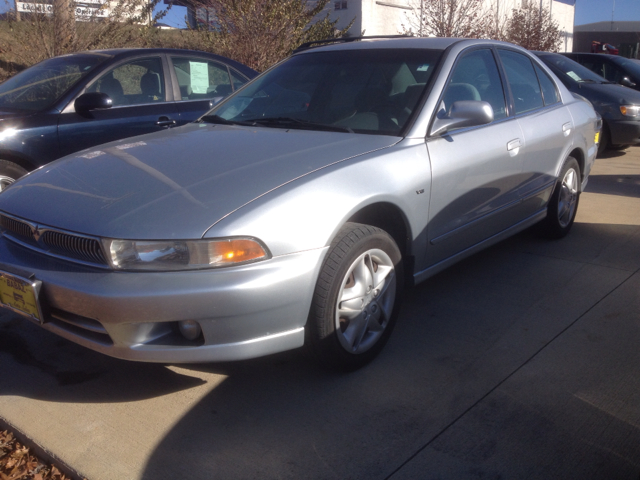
(201, 79)
(549, 91)
(523, 81)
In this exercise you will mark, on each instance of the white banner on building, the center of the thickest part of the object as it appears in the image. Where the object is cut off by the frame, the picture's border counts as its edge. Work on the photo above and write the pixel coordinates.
(82, 12)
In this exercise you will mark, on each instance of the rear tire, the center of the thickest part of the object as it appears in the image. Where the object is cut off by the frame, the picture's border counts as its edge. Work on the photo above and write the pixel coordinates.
(356, 299)
(563, 205)
(9, 173)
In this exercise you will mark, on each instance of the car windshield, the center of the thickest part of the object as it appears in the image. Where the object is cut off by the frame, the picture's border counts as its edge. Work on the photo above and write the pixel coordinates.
(362, 91)
(631, 65)
(571, 69)
(40, 86)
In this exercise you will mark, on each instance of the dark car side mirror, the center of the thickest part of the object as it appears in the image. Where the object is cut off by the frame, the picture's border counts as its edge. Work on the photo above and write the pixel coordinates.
(463, 113)
(626, 81)
(92, 101)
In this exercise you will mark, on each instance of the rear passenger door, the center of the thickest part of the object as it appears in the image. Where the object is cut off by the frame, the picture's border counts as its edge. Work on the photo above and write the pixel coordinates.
(546, 126)
(199, 83)
(476, 171)
(141, 104)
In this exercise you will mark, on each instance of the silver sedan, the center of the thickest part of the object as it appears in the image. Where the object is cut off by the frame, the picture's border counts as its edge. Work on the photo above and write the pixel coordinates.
(296, 211)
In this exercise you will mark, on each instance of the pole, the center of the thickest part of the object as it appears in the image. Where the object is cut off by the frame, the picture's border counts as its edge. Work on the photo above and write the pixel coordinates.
(17, 12)
(612, 13)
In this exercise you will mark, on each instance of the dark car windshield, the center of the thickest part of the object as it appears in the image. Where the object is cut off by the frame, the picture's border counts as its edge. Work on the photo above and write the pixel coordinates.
(569, 68)
(40, 86)
(632, 66)
(364, 91)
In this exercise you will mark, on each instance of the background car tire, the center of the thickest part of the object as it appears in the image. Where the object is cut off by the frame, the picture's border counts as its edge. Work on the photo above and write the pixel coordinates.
(563, 205)
(9, 173)
(356, 299)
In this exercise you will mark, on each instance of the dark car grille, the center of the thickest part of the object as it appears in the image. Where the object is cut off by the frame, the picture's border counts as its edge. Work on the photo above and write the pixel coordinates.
(53, 241)
(19, 228)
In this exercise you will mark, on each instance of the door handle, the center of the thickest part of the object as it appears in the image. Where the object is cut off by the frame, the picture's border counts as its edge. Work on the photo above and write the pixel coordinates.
(165, 122)
(514, 144)
(566, 129)
(514, 147)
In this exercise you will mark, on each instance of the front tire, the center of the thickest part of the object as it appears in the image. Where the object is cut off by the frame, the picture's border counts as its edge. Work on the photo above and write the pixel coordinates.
(563, 205)
(356, 299)
(9, 173)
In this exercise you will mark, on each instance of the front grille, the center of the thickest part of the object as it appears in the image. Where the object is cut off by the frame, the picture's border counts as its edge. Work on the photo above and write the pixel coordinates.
(53, 241)
(21, 229)
(88, 249)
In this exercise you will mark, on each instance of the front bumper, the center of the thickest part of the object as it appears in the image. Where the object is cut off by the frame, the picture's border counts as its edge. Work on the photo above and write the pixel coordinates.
(245, 312)
(624, 132)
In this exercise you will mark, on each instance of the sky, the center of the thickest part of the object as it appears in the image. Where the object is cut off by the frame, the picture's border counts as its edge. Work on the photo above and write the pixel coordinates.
(587, 11)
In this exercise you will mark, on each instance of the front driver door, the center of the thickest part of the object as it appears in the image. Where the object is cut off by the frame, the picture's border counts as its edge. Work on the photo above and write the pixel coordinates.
(138, 89)
(476, 171)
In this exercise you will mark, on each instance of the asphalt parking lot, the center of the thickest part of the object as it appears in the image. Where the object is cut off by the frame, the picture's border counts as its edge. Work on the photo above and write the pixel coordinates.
(521, 362)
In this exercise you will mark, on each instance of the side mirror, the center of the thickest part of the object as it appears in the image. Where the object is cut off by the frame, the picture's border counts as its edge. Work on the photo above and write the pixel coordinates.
(464, 113)
(92, 101)
(626, 81)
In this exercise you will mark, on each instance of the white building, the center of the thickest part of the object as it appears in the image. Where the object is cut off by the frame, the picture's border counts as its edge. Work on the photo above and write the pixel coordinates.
(386, 17)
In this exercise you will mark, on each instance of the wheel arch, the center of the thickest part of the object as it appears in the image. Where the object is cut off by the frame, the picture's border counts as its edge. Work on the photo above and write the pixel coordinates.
(578, 154)
(390, 218)
(18, 160)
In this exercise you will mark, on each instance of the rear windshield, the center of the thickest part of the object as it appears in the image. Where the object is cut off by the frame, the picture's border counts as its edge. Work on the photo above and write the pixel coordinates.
(364, 91)
(42, 85)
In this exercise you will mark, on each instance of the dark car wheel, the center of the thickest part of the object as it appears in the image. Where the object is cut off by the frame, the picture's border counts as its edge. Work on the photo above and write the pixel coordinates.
(563, 205)
(9, 173)
(356, 299)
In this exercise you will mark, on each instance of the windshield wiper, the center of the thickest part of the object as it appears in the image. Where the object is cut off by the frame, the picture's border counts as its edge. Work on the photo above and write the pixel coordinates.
(289, 122)
(222, 121)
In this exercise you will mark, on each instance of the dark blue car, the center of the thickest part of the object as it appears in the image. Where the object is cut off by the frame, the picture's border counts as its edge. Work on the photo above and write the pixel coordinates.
(72, 102)
(618, 106)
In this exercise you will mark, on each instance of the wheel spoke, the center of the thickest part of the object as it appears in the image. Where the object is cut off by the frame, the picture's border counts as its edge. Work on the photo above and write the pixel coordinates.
(361, 279)
(356, 330)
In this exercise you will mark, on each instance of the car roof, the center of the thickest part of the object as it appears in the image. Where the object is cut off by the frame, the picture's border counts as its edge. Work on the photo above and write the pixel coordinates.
(120, 53)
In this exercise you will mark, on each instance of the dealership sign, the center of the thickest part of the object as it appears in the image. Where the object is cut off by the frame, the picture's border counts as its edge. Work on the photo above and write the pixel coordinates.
(82, 11)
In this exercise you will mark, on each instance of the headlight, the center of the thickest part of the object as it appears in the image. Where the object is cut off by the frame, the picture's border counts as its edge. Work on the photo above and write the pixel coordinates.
(630, 110)
(183, 254)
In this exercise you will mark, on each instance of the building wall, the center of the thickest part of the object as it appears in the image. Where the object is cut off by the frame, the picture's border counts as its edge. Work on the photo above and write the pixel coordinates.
(387, 17)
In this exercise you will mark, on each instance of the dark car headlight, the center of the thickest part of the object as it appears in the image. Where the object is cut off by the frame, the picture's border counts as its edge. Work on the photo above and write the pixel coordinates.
(183, 254)
(630, 110)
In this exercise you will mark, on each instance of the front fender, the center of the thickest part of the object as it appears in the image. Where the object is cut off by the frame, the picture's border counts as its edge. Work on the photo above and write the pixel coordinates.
(307, 213)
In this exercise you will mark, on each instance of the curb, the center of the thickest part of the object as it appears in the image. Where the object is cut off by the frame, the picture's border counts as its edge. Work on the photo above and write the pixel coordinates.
(44, 455)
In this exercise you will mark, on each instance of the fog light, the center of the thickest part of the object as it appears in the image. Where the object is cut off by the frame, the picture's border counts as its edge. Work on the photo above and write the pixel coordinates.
(190, 329)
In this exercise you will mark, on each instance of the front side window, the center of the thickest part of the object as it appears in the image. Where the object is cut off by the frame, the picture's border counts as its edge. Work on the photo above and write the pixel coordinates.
(201, 79)
(134, 83)
(523, 81)
(372, 91)
(42, 85)
(476, 77)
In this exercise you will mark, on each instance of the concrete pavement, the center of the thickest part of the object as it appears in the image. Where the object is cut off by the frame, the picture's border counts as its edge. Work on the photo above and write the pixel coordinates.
(520, 362)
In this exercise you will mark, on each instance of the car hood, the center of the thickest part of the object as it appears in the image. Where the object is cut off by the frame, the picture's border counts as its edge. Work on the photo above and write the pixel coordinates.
(177, 183)
(609, 93)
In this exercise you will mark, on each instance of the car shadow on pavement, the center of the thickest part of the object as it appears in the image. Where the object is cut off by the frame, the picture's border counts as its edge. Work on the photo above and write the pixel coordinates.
(61, 371)
(459, 336)
(621, 184)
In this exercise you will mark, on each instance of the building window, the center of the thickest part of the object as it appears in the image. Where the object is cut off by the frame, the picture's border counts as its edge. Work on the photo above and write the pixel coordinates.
(342, 5)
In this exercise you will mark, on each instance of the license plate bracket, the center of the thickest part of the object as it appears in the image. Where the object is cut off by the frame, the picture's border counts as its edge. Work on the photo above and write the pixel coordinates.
(21, 295)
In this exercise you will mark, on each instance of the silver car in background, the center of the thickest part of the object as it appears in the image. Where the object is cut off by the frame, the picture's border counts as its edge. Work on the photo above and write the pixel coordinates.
(295, 212)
